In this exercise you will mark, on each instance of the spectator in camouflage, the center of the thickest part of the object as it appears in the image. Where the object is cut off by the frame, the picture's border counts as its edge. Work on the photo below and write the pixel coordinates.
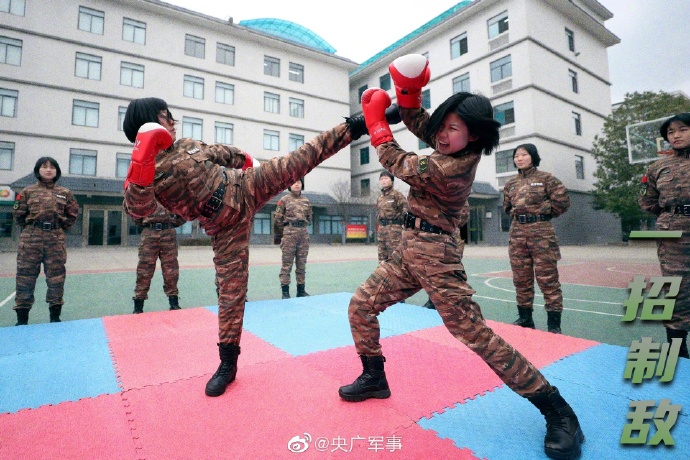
(292, 218)
(199, 181)
(532, 198)
(665, 192)
(390, 207)
(44, 211)
(158, 241)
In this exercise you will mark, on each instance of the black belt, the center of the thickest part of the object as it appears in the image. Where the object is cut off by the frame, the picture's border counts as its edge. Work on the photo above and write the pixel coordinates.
(45, 225)
(683, 209)
(215, 202)
(390, 221)
(295, 224)
(531, 218)
(159, 226)
(412, 221)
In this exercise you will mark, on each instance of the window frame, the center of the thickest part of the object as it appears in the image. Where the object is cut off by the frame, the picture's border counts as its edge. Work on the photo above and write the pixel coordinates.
(82, 154)
(271, 140)
(225, 50)
(220, 133)
(385, 82)
(194, 46)
(7, 97)
(505, 108)
(225, 89)
(192, 128)
(456, 46)
(573, 81)
(86, 110)
(271, 66)
(501, 22)
(135, 26)
(90, 14)
(193, 87)
(577, 118)
(271, 102)
(13, 44)
(579, 167)
(459, 81)
(92, 62)
(122, 162)
(7, 149)
(296, 107)
(570, 39)
(364, 156)
(13, 7)
(504, 162)
(500, 65)
(365, 187)
(133, 70)
(296, 72)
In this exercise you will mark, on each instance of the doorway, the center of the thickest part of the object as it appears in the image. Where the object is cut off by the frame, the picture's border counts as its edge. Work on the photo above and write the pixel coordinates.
(476, 224)
(104, 227)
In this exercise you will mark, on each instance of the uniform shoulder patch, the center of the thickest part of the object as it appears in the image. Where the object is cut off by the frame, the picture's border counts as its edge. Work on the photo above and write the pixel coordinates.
(423, 164)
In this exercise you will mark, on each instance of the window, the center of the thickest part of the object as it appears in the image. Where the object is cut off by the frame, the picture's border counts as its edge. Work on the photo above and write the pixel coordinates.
(132, 75)
(361, 91)
(85, 113)
(10, 51)
(498, 24)
(192, 127)
(504, 162)
(225, 54)
(15, 7)
(262, 224)
(578, 123)
(330, 225)
(364, 156)
(271, 103)
(458, 46)
(296, 108)
(501, 68)
(91, 20)
(295, 141)
(224, 133)
(461, 83)
(570, 37)
(296, 72)
(364, 187)
(88, 66)
(271, 140)
(8, 102)
(573, 80)
(122, 161)
(225, 93)
(193, 87)
(194, 46)
(271, 66)
(185, 229)
(579, 167)
(385, 82)
(426, 99)
(504, 113)
(6, 155)
(82, 162)
(121, 111)
(134, 31)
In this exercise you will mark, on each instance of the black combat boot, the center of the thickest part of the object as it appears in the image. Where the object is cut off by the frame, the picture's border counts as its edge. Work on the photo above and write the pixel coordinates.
(371, 384)
(226, 371)
(301, 292)
(286, 290)
(138, 305)
(670, 334)
(174, 302)
(563, 433)
(553, 321)
(429, 304)
(22, 316)
(55, 311)
(525, 318)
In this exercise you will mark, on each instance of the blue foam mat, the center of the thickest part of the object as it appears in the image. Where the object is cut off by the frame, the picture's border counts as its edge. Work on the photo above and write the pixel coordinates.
(49, 336)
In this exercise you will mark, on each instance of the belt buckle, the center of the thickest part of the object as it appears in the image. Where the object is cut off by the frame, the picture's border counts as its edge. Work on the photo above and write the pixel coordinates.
(214, 203)
(686, 209)
(158, 226)
(522, 218)
(47, 225)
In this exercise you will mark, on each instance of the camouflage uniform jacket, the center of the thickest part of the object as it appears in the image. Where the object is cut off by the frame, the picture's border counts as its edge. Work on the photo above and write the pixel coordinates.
(665, 186)
(391, 204)
(43, 202)
(439, 184)
(292, 208)
(160, 216)
(535, 192)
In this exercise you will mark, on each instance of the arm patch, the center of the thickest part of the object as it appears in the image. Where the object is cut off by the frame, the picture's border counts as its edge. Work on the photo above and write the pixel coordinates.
(423, 164)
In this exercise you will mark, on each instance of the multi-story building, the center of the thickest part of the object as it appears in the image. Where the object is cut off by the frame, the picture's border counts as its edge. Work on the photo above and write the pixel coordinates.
(69, 68)
(544, 66)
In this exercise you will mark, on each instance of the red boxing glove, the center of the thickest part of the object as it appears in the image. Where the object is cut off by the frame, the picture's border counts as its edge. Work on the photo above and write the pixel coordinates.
(250, 162)
(151, 139)
(410, 73)
(375, 101)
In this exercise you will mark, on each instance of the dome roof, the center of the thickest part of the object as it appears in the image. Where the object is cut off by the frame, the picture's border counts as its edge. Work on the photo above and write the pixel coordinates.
(289, 31)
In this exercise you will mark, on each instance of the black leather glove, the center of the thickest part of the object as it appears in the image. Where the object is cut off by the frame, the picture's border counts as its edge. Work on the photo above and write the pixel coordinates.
(358, 128)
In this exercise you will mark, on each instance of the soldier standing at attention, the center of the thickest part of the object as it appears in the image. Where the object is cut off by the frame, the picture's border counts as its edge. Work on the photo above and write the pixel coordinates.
(532, 198)
(665, 192)
(158, 241)
(199, 181)
(293, 216)
(461, 129)
(44, 211)
(390, 207)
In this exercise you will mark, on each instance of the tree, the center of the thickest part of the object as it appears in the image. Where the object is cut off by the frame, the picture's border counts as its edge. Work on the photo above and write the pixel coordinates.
(347, 204)
(618, 181)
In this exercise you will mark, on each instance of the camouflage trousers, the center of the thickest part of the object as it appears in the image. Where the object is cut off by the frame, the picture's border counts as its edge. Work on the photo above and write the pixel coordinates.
(154, 245)
(433, 263)
(389, 239)
(534, 253)
(674, 258)
(36, 247)
(295, 247)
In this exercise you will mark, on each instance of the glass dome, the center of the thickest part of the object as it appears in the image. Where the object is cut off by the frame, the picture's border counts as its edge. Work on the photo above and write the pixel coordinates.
(289, 31)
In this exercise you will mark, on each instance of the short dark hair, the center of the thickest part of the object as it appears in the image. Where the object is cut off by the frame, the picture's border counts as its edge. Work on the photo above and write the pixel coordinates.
(683, 117)
(43, 160)
(386, 173)
(532, 150)
(140, 111)
(477, 113)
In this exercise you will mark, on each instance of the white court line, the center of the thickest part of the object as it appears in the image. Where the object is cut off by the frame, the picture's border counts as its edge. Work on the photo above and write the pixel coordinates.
(9, 297)
(487, 282)
(571, 284)
(541, 305)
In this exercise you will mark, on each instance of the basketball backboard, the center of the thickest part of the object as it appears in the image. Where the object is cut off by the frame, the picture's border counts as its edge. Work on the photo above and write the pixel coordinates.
(645, 144)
